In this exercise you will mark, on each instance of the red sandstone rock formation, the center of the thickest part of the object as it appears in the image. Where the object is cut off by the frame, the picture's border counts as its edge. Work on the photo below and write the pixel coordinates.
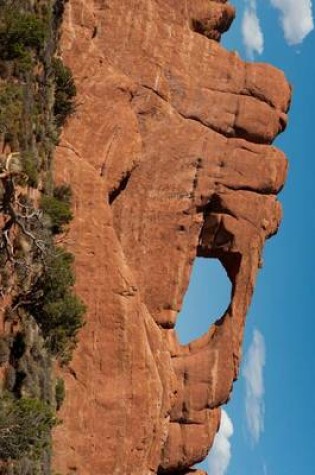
(170, 157)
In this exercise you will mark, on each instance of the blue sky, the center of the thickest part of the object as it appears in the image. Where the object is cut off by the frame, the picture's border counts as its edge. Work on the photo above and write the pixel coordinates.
(277, 434)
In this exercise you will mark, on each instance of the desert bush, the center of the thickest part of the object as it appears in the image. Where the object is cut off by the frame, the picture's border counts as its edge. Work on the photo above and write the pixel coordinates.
(58, 276)
(58, 211)
(11, 110)
(61, 320)
(20, 32)
(29, 164)
(60, 392)
(63, 193)
(25, 426)
(59, 312)
(34, 103)
(65, 91)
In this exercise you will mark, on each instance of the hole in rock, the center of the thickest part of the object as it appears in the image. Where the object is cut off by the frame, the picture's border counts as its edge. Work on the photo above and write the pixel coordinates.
(207, 298)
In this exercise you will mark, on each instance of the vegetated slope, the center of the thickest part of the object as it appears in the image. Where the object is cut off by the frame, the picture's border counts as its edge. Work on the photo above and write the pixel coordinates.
(169, 157)
(40, 314)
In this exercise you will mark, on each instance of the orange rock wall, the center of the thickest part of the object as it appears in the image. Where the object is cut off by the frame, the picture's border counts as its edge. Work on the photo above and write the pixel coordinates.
(169, 156)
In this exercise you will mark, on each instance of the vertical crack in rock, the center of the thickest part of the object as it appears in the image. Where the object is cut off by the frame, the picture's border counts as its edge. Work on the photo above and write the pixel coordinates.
(198, 130)
(119, 189)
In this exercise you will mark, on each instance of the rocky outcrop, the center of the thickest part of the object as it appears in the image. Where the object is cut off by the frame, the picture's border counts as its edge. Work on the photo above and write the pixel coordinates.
(169, 156)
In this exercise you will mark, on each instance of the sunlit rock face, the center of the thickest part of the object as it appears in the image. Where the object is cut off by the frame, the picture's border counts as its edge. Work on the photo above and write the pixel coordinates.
(169, 155)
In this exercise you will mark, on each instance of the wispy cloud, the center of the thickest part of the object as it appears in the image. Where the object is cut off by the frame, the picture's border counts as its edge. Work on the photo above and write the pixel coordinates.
(220, 455)
(254, 385)
(253, 37)
(296, 19)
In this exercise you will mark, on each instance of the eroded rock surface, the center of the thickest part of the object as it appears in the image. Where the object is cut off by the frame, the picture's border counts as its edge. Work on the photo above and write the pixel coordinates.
(170, 157)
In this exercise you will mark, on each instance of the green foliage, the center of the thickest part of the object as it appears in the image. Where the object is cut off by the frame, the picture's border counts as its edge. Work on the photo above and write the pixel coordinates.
(63, 319)
(36, 96)
(60, 392)
(65, 91)
(25, 426)
(36, 382)
(59, 312)
(59, 275)
(58, 211)
(24, 64)
(63, 193)
(20, 32)
(29, 164)
(11, 110)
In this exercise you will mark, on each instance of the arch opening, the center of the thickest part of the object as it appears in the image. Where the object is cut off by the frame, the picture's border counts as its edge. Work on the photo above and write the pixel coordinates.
(207, 298)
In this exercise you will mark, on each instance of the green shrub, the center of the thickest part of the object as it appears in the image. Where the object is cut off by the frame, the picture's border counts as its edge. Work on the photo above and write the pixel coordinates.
(65, 91)
(60, 392)
(57, 207)
(63, 193)
(11, 110)
(61, 321)
(25, 426)
(24, 64)
(19, 32)
(29, 164)
(46, 310)
(58, 312)
(58, 276)
(58, 211)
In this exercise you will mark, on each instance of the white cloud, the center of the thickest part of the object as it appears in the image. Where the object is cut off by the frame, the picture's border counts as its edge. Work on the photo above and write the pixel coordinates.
(220, 455)
(253, 37)
(254, 385)
(296, 19)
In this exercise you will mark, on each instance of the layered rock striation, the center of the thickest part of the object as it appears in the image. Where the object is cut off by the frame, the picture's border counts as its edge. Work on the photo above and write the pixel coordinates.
(169, 157)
